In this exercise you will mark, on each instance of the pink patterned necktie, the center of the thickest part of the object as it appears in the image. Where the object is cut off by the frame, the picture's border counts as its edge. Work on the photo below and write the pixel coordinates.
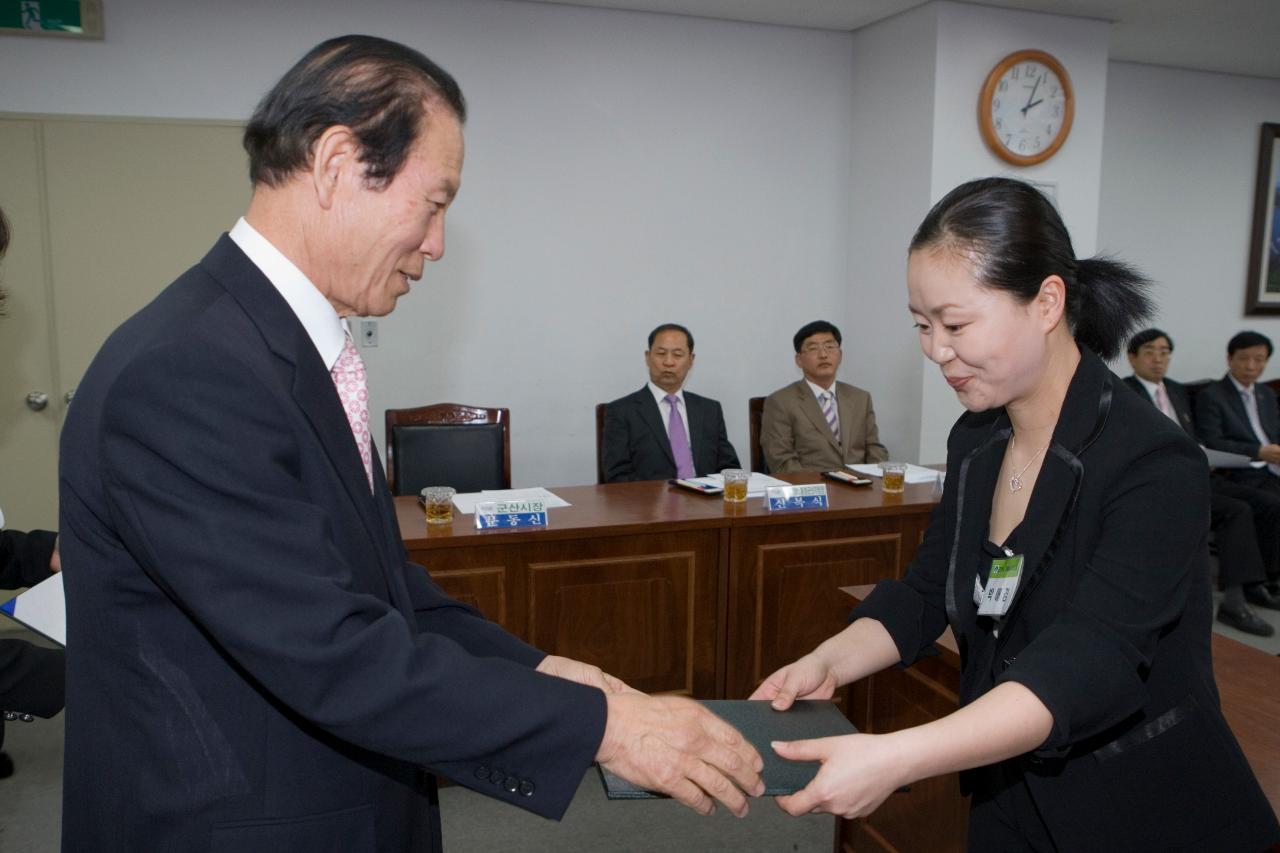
(353, 389)
(1163, 404)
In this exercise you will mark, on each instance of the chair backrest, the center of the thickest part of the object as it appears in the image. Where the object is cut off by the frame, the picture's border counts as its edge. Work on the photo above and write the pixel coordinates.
(1193, 389)
(447, 444)
(755, 416)
(600, 409)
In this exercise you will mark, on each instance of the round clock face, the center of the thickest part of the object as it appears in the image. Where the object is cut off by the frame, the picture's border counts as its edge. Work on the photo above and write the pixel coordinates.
(1026, 107)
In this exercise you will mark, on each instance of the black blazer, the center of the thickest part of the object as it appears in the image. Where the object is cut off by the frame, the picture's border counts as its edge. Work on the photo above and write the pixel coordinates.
(636, 446)
(1223, 423)
(1110, 626)
(255, 665)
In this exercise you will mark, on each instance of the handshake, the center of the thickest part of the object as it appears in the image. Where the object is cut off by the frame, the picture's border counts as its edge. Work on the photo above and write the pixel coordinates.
(673, 745)
(669, 744)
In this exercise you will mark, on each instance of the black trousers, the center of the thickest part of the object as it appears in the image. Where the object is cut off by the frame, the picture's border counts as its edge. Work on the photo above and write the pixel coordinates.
(1260, 490)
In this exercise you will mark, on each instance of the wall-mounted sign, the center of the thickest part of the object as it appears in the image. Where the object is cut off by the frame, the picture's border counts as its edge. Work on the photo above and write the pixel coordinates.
(66, 18)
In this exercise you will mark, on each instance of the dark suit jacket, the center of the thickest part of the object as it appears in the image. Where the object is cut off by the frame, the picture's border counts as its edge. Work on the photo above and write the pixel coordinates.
(255, 665)
(1223, 424)
(795, 435)
(636, 446)
(31, 677)
(1109, 628)
(1178, 398)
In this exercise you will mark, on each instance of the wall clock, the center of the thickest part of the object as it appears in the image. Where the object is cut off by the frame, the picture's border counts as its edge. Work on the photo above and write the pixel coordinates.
(1026, 107)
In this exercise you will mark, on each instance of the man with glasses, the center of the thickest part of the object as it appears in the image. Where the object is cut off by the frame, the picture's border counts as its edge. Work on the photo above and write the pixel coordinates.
(817, 423)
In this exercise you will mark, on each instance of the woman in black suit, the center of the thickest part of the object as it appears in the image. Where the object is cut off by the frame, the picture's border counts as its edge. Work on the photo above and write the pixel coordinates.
(1068, 555)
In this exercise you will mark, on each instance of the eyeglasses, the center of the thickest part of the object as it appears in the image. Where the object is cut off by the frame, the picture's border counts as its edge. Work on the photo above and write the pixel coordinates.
(828, 347)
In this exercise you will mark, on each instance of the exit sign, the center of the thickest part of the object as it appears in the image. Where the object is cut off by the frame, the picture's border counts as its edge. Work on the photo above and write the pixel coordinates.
(71, 18)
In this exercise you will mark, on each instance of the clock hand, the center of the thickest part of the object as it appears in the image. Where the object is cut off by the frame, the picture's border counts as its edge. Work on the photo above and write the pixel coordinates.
(1032, 95)
(1032, 104)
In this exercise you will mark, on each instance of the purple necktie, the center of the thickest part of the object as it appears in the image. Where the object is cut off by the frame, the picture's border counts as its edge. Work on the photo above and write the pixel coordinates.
(679, 439)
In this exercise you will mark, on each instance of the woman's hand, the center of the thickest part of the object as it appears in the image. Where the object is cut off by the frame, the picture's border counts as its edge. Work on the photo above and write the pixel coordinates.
(858, 773)
(811, 677)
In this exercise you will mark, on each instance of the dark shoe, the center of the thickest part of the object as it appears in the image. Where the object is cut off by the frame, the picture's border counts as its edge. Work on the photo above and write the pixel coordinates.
(1273, 587)
(6, 765)
(1245, 620)
(1257, 594)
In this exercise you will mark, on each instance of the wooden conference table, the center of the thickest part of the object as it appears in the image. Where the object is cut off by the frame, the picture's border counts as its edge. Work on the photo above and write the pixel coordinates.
(671, 590)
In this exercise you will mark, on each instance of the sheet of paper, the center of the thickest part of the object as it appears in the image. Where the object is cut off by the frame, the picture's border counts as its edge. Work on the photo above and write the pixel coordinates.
(42, 608)
(756, 485)
(1222, 459)
(466, 503)
(915, 473)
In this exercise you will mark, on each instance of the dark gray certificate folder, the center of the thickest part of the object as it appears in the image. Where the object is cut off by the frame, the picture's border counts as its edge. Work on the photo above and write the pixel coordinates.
(761, 725)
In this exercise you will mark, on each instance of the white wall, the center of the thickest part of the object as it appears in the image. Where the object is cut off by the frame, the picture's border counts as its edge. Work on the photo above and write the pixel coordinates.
(893, 128)
(1179, 162)
(971, 40)
(622, 170)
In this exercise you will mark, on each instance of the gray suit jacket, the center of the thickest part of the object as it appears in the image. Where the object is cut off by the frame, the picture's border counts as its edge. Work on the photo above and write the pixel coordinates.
(795, 435)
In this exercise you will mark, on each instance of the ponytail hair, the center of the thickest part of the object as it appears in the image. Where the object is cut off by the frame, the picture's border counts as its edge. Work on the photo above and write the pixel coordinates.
(1014, 239)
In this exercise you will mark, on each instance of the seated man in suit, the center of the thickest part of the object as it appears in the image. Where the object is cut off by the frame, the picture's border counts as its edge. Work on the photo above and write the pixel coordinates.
(1237, 528)
(663, 431)
(817, 423)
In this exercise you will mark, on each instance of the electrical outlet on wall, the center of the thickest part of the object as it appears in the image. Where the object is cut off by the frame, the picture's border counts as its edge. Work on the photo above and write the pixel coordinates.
(369, 333)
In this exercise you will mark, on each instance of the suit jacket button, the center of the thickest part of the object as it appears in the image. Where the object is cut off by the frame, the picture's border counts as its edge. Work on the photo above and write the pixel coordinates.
(510, 784)
(526, 788)
(496, 777)
(482, 772)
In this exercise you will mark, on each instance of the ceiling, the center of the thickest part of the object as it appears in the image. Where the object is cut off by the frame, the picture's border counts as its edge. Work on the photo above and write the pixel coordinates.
(1230, 36)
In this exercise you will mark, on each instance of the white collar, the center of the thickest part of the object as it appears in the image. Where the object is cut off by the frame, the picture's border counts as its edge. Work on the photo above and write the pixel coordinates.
(1243, 389)
(1150, 386)
(660, 396)
(818, 390)
(326, 329)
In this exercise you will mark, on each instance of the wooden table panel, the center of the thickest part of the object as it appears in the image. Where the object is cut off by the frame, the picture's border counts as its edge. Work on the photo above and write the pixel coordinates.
(672, 590)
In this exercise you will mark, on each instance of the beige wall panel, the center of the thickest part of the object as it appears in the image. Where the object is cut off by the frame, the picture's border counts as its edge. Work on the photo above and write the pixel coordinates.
(131, 205)
(28, 439)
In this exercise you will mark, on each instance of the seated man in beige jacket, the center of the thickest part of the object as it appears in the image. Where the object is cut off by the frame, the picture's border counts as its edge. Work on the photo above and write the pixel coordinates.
(817, 423)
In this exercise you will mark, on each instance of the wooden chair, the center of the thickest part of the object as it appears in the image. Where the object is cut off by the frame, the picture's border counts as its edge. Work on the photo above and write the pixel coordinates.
(600, 409)
(755, 416)
(448, 444)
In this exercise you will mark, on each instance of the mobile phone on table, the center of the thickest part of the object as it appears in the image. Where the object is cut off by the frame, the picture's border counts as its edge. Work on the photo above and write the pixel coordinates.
(695, 486)
(846, 477)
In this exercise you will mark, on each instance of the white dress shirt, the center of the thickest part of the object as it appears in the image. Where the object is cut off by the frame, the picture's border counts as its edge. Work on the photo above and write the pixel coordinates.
(325, 328)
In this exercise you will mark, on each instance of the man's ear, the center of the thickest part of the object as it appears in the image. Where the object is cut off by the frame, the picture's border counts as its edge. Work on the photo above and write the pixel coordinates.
(334, 157)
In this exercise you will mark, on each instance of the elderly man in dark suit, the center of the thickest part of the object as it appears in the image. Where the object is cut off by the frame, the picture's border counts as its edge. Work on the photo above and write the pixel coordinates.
(663, 431)
(254, 664)
(1237, 529)
(817, 423)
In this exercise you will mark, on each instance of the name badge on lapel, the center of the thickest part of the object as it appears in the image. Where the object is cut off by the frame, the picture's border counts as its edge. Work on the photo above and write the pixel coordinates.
(782, 498)
(1002, 585)
(498, 514)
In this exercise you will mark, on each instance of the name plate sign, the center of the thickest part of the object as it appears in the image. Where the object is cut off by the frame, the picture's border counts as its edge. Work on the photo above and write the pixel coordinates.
(495, 514)
(785, 498)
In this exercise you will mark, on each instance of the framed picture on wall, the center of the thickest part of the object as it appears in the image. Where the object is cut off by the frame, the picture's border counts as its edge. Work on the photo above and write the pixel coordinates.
(1262, 293)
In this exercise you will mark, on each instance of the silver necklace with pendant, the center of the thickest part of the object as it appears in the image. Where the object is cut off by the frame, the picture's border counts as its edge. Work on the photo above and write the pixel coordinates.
(1015, 482)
